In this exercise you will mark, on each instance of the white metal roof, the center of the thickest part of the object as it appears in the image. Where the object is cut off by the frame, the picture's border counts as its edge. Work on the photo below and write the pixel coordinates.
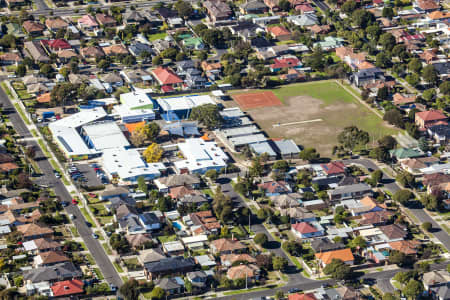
(184, 102)
(81, 118)
(105, 135)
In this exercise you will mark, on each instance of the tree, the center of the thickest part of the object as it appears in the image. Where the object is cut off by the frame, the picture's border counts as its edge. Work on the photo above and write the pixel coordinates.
(164, 204)
(448, 268)
(207, 114)
(383, 93)
(153, 153)
(415, 65)
(403, 196)
(184, 9)
(64, 71)
(406, 179)
(412, 129)
(169, 53)
(394, 117)
(212, 174)
(284, 5)
(142, 184)
(388, 296)
(430, 74)
(358, 242)
(380, 154)
(387, 41)
(293, 248)
(377, 176)
(427, 226)
(338, 270)
(8, 41)
(309, 154)
(130, 289)
(103, 64)
(151, 131)
(400, 51)
(352, 136)
(382, 60)
(158, 293)
(21, 70)
(388, 12)
(348, 6)
(430, 202)
(413, 79)
(316, 60)
(119, 243)
(279, 263)
(423, 144)
(387, 142)
(138, 138)
(444, 87)
(180, 56)
(281, 165)
(157, 60)
(413, 289)
(46, 69)
(260, 239)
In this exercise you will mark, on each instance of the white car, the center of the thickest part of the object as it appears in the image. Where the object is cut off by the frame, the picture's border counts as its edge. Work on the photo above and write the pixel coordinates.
(71, 216)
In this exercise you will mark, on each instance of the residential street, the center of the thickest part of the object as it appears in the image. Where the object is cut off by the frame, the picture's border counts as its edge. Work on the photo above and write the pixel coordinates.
(85, 232)
(419, 213)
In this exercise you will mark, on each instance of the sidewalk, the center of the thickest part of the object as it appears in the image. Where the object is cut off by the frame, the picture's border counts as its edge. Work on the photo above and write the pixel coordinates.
(71, 188)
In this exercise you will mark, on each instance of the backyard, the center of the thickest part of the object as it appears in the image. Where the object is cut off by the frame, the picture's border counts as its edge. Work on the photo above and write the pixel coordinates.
(314, 113)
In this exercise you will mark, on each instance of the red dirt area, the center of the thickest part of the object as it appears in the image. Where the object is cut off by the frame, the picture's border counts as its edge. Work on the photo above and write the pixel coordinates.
(255, 100)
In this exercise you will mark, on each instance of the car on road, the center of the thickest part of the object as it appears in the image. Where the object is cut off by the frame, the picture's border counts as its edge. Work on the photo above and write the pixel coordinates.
(294, 290)
(72, 217)
(74, 201)
(92, 195)
(64, 203)
(57, 175)
(95, 236)
(113, 287)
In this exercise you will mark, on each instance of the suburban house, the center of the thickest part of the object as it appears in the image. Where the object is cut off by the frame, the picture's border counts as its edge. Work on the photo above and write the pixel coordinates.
(324, 245)
(150, 221)
(253, 7)
(167, 78)
(67, 288)
(248, 272)
(425, 119)
(33, 28)
(356, 191)
(187, 180)
(345, 255)
(333, 168)
(440, 133)
(218, 10)
(33, 231)
(279, 32)
(227, 246)
(169, 266)
(56, 24)
(274, 188)
(105, 20)
(49, 258)
(306, 230)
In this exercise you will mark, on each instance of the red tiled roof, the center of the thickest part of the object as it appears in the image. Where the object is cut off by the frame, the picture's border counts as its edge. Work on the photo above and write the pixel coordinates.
(57, 44)
(307, 296)
(278, 31)
(67, 287)
(280, 63)
(304, 227)
(431, 115)
(166, 76)
(341, 254)
(334, 167)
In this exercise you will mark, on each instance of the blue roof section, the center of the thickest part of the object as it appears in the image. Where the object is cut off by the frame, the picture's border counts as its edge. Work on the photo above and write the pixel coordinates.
(170, 116)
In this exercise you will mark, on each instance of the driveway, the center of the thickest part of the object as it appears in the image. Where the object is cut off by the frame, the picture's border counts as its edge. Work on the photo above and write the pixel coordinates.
(393, 187)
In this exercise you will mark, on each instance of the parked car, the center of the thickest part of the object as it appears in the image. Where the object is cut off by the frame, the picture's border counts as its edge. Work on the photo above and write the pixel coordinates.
(74, 201)
(95, 236)
(92, 195)
(294, 290)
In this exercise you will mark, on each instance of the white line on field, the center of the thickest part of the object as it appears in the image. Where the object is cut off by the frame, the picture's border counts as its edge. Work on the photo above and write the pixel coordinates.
(296, 123)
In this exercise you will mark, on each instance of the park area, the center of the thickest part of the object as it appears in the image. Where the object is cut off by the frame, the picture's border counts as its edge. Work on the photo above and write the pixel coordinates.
(312, 114)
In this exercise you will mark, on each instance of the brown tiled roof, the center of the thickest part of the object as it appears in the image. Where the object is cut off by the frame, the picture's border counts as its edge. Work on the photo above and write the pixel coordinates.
(115, 49)
(227, 245)
(232, 258)
(341, 254)
(52, 257)
(31, 26)
(105, 19)
(9, 166)
(242, 271)
(56, 23)
(33, 230)
(43, 244)
(376, 217)
(92, 51)
(406, 247)
(10, 57)
(394, 231)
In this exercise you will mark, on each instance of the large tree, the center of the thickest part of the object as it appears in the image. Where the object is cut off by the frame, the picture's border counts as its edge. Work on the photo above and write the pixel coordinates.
(352, 136)
(184, 9)
(338, 270)
(130, 290)
(207, 114)
(430, 74)
(153, 153)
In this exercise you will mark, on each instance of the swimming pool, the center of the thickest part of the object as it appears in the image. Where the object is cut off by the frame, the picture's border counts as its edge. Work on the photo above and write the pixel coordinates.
(177, 225)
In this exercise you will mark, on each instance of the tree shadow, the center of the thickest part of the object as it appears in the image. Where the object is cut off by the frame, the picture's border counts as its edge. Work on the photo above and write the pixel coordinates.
(270, 245)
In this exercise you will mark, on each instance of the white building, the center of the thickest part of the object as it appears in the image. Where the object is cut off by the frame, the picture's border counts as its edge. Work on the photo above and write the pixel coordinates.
(66, 133)
(135, 107)
(200, 156)
(104, 135)
(128, 165)
(182, 106)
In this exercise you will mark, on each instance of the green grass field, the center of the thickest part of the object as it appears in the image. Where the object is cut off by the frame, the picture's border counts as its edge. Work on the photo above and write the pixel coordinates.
(314, 113)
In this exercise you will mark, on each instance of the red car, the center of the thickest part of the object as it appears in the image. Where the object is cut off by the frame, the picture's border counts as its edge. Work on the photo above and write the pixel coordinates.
(92, 195)
(74, 201)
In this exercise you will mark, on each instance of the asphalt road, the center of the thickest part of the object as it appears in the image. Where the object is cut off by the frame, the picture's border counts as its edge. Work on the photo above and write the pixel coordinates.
(321, 4)
(49, 178)
(419, 213)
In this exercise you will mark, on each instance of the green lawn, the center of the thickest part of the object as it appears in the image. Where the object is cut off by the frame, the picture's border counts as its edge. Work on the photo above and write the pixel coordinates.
(118, 268)
(87, 216)
(74, 231)
(107, 248)
(324, 107)
(99, 274)
(167, 238)
(55, 166)
(22, 114)
(156, 36)
(43, 147)
(6, 89)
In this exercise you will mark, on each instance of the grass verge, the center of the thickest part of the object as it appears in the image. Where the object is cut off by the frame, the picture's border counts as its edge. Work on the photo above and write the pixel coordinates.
(107, 248)
(43, 147)
(118, 268)
(22, 114)
(87, 216)
(99, 274)
(55, 166)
